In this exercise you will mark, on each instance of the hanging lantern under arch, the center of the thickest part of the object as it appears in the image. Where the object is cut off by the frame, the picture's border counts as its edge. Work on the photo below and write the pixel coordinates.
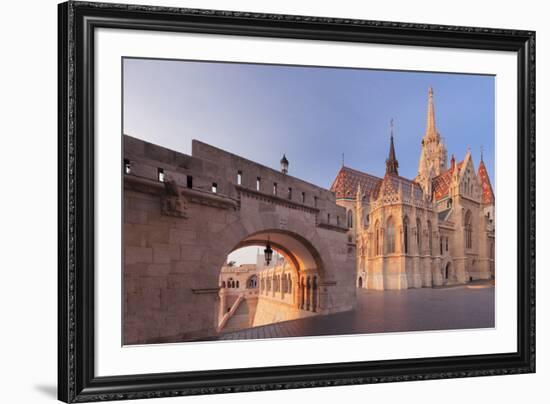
(268, 252)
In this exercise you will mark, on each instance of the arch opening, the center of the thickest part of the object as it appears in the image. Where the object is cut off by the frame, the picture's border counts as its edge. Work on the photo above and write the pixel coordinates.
(285, 288)
(448, 273)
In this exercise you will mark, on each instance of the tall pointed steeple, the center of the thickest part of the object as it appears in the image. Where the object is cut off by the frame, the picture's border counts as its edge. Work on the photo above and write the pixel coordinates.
(433, 157)
(391, 162)
(431, 131)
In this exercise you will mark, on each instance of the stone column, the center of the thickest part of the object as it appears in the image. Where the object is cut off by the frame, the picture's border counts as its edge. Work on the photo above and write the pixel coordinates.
(314, 297)
(223, 300)
(308, 293)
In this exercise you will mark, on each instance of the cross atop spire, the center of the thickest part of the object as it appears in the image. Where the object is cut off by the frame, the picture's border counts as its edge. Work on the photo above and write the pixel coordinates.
(391, 162)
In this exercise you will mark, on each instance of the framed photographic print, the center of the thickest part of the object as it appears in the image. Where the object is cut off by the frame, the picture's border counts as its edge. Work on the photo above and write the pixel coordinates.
(255, 201)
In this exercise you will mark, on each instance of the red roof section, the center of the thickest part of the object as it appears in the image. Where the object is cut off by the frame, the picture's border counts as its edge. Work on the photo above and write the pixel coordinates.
(487, 195)
(346, 182)
(441, 183)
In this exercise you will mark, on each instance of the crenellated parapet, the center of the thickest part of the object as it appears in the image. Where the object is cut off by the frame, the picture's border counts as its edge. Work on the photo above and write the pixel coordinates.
(215, 177)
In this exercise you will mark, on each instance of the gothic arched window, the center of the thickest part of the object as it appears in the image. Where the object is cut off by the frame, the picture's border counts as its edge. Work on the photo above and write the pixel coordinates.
(252, 282)
(377, 238)
(390, 236)
(406, 235)
(350, 219)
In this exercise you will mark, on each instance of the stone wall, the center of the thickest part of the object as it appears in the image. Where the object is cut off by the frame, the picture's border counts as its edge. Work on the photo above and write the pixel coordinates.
(271, 310)
(178, 231)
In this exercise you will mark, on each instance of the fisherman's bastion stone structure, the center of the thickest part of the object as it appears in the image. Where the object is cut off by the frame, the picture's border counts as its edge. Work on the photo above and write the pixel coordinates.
(184, 214)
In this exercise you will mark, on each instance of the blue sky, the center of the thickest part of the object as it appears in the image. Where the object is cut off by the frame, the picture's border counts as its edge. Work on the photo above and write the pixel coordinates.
(313, 114)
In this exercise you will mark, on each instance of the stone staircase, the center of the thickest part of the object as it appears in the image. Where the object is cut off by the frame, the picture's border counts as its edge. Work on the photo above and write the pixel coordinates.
(240, 319)
(241, 314)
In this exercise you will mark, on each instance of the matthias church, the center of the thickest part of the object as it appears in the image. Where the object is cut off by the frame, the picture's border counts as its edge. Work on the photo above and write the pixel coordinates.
(435, 229)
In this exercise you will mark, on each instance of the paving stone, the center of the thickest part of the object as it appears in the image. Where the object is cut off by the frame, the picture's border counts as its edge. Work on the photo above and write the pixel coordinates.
(393, 311)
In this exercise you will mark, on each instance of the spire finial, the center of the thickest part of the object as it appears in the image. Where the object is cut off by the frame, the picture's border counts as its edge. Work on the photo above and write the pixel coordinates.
(342, 159)
(391, 162)
(481, 152)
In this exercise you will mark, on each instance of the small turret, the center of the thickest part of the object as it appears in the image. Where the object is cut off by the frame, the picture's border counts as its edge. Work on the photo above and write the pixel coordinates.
(392, 163)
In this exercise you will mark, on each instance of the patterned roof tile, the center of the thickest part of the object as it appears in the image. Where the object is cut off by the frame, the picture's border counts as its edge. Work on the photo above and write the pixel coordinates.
(346, 182)
(487, 195)
(442, 183)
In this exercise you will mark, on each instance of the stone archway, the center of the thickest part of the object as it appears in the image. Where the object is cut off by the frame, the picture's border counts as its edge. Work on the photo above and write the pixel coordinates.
(252, 282)
(179, 233)
(292, 246)
(304, 263)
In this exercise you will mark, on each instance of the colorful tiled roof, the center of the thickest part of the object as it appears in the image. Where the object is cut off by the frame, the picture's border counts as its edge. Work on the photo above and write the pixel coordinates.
(441, 183)
(487, 195)
(346, 182)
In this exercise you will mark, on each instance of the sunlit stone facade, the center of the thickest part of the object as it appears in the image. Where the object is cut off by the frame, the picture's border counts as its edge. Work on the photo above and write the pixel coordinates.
(433, 230)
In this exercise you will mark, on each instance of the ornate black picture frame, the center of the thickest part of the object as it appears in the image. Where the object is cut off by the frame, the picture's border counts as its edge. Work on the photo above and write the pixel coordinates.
(78, 21)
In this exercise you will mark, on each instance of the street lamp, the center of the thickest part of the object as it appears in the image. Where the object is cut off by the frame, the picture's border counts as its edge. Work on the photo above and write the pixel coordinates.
(284, 165)
(268, 252)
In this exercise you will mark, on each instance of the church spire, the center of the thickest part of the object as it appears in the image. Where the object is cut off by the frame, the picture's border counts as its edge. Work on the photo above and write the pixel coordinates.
(433, 157)
(391, 162)
(431, 131)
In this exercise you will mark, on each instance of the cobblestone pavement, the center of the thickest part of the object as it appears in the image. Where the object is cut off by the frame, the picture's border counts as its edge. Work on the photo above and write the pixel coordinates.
(445, 308)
